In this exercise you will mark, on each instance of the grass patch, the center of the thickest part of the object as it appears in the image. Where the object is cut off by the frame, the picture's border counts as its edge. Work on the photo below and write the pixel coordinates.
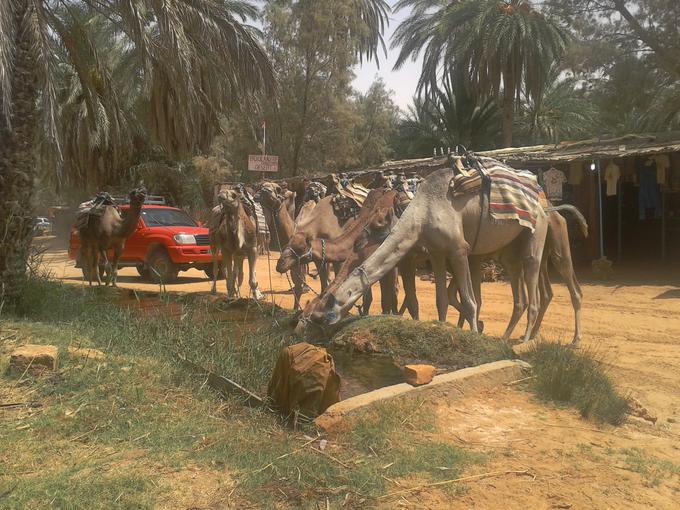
(576, 378)
(111, 433)
(652, 469)
(433, 341)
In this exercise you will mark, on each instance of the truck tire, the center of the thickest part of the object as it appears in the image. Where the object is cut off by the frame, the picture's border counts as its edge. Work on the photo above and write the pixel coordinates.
(161, 268)
(143, 271)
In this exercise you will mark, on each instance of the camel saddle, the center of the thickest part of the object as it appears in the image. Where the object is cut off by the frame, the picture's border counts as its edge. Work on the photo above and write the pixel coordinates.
(348, 198)
(93, 208)
(252, 208)
(513, 195)
(304, 380)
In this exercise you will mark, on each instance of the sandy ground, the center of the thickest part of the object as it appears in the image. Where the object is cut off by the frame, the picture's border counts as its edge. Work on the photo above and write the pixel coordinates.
(570, 463)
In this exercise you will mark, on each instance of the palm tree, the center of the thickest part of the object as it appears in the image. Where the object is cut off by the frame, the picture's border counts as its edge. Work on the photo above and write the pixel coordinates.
(192, 58)
(446, 116)
(561, 112)
(506, 48)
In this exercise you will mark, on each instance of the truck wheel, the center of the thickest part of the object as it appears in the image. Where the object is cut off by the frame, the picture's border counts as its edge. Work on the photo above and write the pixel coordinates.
(208, 269)
(143, 271)
(161, 268)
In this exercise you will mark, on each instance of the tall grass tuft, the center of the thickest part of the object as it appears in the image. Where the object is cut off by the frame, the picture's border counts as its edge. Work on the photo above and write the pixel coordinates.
(577, 378)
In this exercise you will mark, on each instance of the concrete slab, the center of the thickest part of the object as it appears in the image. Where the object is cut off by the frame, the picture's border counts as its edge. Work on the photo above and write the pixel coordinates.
(450, 385)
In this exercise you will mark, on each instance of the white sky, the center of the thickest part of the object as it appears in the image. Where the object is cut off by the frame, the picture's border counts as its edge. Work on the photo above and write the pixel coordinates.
(403, 82)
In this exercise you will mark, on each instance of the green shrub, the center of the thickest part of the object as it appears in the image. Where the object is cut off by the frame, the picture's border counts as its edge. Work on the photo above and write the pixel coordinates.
(577, 378)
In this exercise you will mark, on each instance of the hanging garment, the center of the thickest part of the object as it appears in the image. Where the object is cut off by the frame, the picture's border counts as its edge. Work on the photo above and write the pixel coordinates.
(575, 173)
(649, 191)
(553, 181)
(663, 164)
(612, 174)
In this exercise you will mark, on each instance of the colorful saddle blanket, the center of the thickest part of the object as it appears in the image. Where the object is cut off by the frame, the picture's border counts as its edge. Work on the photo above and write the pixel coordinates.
(514, 195)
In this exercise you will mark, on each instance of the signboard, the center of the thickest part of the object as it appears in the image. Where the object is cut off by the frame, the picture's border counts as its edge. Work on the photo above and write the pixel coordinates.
(263, 163)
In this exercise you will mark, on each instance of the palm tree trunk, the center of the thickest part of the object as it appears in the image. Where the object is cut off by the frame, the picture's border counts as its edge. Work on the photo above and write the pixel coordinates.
(17, 164)
(508, 109)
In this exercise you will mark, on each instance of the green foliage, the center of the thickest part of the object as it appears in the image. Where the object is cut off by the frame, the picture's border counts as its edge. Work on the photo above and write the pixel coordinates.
(314, 46)
(577, 378)
(438, 342)
(503, 49)
(378, 117)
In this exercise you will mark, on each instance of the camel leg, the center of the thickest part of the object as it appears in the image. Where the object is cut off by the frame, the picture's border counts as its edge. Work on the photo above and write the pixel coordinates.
(545, 296)
(387, 293)
(531, 266)
(113, 266)
(460, 267)
(238, 263)
(252, 276)
(366, 303)
(439, 267)
(519, 297)
(228, 261)
(216, 265)
(96, 254)
(566, 269)
(408, 279)
(298, 283)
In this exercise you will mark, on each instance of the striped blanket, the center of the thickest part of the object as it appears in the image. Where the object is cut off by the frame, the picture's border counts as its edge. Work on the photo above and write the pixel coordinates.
(515, 195)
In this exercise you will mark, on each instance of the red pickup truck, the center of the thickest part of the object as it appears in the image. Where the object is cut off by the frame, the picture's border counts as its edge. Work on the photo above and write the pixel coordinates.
(167, 241)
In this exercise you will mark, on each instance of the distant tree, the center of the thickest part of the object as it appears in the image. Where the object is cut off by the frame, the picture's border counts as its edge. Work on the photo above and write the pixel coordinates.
(314, 46)
(639, 27)
(506, 48)
(378, 117)
(195, 58)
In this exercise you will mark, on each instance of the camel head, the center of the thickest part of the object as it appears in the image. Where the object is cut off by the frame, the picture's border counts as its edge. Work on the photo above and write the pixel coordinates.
(137, 196)
(229, 199)
(271, 195)
(299, 249)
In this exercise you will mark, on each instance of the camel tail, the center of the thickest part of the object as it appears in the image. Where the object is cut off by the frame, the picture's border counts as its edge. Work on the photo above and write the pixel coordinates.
(582, 223)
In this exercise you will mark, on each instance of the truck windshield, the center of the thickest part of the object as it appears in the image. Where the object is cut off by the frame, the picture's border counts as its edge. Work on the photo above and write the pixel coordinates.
(167, 218)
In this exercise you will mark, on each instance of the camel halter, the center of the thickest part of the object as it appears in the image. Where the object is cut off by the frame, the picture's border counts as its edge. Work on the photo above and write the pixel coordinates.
(306, 255)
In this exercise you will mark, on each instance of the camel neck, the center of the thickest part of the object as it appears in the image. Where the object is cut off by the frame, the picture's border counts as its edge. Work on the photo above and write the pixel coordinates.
(323, 249)
(131, 220)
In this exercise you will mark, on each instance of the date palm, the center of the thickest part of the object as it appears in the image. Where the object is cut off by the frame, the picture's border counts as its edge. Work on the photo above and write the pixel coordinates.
(505, 47)
(191, 59)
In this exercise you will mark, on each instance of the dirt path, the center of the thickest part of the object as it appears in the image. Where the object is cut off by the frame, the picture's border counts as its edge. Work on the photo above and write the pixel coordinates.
(636, 328)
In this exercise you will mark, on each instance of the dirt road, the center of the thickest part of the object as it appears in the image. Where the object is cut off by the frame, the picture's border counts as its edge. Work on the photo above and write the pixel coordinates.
(636, 328)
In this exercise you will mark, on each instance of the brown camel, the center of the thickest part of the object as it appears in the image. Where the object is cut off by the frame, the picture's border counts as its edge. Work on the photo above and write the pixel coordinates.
(452, 228)
(278, 205)
(337, 250)
(314, 221)
(233, 233)
(108, 230)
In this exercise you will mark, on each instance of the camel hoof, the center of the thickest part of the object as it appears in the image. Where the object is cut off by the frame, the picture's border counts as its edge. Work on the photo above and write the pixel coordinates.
(257, 295)
(480, 326)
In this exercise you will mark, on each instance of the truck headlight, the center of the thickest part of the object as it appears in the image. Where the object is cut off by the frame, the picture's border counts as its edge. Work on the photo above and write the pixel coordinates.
(184, 239)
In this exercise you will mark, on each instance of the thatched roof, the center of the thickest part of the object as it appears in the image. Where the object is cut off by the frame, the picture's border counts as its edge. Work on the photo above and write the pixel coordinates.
(540, 155)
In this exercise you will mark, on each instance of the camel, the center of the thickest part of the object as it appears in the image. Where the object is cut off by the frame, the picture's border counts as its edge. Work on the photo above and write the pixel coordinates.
(279, 207)
(233, 233)
(557, 250)
(108, 230)
(340, 248)
(451, 228)
(314, 221)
